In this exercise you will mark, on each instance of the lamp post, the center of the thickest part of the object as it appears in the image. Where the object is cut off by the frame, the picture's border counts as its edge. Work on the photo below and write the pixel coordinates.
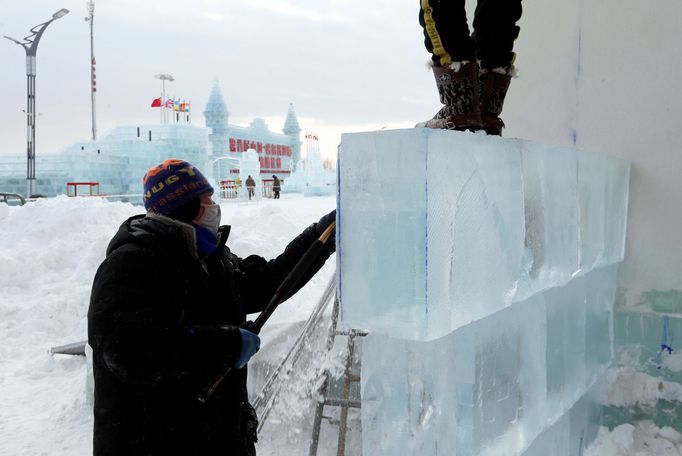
(30, 45)
(93, 82)
(164, 78)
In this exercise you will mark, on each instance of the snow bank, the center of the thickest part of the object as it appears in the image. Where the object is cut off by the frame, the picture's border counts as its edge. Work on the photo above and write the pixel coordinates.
(4, 211)
(629, 388)
(642, 439)
(626, 388)
(673, 362)
(49, 252)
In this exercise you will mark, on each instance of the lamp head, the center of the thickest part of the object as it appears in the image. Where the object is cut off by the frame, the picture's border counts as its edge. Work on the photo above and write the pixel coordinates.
(61, 13)
(164, 77)
(13, 40)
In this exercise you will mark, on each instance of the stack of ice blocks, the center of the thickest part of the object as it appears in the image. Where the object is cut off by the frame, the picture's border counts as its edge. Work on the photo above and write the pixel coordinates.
(485, 270)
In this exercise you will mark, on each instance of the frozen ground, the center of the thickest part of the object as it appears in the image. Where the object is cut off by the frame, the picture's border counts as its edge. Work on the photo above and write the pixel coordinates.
(49, 252)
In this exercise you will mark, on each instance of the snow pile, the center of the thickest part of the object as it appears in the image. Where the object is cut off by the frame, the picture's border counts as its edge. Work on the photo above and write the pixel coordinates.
(627, 387)
(673, 362)
(642, 439)
(49, 252)
(4, 211)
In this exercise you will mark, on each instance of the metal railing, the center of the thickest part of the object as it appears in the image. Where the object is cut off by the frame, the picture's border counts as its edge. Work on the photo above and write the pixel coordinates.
(6, 197)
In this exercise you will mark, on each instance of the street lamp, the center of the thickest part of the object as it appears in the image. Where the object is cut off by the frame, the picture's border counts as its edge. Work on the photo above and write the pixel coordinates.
(93, 82)
(164, 78)
(30, 45)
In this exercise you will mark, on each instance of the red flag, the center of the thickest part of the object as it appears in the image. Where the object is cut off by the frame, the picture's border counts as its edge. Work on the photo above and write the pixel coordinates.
(156, 103)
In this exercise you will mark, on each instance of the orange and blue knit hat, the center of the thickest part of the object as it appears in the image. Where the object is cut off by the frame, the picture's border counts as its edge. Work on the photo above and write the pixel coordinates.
(171, 185)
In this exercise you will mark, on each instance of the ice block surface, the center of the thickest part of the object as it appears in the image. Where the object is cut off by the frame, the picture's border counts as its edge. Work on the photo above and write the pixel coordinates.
(496, 385)
(438, 229)
(485, 270)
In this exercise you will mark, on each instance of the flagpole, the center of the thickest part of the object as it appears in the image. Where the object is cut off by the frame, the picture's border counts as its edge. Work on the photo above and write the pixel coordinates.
(164, 78)
(163, 103)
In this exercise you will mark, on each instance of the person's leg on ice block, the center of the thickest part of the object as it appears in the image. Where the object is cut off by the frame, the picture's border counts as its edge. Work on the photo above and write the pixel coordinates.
(495, 30)
(446, 37)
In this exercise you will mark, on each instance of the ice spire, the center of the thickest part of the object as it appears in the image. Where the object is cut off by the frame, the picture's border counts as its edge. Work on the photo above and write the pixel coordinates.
(293, 130)
(216, 113)
(216, 116)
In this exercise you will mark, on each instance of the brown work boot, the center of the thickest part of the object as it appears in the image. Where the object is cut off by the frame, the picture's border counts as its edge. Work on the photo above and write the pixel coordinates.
(493, 86)
(458, 90)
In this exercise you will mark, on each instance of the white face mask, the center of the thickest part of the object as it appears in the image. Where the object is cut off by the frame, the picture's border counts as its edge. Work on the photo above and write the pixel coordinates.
(209, 215)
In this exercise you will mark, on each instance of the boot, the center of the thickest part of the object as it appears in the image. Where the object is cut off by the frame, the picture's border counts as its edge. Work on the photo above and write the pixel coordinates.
(493, 87)
(458, 90)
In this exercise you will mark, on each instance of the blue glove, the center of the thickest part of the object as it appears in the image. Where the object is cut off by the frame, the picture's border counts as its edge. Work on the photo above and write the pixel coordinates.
(250, 345)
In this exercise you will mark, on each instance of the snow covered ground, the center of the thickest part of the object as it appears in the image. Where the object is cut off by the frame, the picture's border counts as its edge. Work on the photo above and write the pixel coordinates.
(49, 252)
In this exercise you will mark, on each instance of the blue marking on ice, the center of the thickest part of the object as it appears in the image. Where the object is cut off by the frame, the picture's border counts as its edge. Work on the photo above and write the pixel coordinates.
(666, 341)
(426, 235)
(338, 231)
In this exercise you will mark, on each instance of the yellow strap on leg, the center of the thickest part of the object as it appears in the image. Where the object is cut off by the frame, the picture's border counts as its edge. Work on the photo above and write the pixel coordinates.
(430, 27)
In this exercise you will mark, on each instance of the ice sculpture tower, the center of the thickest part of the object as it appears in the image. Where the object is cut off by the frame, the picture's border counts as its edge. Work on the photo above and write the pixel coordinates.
(293, 130)
(217, 116)
(485, 271)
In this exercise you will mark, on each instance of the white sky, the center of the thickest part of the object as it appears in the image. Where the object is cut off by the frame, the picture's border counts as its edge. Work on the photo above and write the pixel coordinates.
(346, 65)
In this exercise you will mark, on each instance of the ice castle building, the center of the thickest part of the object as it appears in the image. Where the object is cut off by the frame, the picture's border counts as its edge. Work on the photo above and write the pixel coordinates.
(278, 153)
(118, 161)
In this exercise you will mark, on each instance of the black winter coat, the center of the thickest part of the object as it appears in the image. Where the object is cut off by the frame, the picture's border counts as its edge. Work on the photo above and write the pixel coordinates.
(161, 325)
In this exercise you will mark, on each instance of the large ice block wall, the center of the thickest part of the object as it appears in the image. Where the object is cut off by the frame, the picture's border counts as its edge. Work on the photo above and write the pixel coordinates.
(485, 270)
(491, 387)
(439, 229)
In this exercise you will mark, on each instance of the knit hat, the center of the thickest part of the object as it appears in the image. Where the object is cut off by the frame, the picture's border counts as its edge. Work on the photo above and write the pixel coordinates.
(171, 185)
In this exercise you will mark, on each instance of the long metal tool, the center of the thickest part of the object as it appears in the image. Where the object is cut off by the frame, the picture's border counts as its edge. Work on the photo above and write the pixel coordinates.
(266, 399)
(281, 294)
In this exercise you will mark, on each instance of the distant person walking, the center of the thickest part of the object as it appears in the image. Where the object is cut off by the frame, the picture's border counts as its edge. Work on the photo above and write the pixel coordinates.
(237, 186)
(166, 315)
(276, 186)
(472, 72)
(250, 186)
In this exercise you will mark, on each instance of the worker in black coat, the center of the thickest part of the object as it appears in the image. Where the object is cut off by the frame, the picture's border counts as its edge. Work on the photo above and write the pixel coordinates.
(276, 186)
(164, 318)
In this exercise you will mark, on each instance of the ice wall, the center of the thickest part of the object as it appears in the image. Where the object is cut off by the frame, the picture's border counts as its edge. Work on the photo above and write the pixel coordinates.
(439, 229)
(590, 95)
(491, 387)
(117, 161)
(485, 270)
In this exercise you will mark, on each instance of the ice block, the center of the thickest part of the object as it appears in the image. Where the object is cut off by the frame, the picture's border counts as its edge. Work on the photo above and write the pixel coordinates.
(438, 229)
